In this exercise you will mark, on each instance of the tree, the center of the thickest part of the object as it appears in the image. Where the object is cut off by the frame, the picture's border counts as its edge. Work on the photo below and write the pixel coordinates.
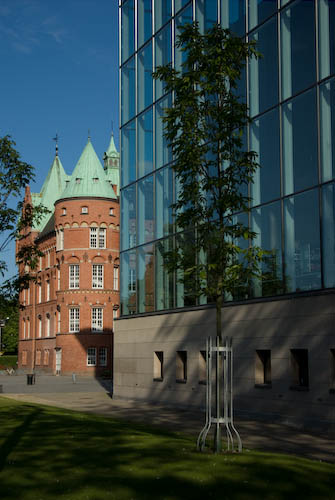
(16, 219)
(214, 252)
(205, 128)
(9, 311)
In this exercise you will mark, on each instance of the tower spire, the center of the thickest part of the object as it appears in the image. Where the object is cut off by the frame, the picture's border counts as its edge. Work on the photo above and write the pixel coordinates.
(56, 140)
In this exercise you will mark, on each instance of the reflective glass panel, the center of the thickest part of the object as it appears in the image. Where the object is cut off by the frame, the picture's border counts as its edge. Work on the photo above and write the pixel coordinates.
(266, 222)
(163, 54)
(146, 278)
(128, 148)
(183, 18)
(302, 242)
(128, 91)
(163, 12)
(163, 201)
(128, 217)
(260, 10)
(179, 4)
(263, 73)
(128, 295)
(144, 143)
(206, 13)
(298, 47)
(328, 235)
(327, 37)
(128, 29)
(327, 129)
(163, 153)
(144, 23)
(264, 139)
(144, 79)
(300, 143)
(233, 12)
(145, 210)
(163, 279)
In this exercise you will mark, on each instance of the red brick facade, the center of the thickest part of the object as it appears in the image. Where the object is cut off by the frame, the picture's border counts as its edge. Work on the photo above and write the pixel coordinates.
(66, 324)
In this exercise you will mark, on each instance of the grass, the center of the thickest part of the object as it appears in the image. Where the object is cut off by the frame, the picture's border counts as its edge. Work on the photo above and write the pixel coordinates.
(48, 453)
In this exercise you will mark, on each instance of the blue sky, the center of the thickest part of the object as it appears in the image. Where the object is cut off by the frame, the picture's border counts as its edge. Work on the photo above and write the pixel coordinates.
(59, 74)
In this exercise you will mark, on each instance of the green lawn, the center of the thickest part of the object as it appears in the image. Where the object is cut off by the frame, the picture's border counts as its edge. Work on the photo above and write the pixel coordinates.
(48, 453)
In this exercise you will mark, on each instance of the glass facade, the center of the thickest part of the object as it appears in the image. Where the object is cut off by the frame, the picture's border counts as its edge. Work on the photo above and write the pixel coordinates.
(290, 93)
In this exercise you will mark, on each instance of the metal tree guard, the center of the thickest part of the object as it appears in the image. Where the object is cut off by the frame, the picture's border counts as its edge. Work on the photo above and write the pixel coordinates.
(226, 353)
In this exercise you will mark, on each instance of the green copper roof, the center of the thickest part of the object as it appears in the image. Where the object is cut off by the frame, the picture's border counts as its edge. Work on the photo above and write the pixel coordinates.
(88, 178)
(112, 151)
(51, 190)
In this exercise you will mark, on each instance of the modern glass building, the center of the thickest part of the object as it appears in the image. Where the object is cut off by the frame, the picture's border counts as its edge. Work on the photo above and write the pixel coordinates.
(290, 93)
(291, 96)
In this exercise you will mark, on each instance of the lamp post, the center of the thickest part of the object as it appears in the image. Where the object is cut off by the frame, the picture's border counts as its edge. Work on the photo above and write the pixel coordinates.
(2, 324)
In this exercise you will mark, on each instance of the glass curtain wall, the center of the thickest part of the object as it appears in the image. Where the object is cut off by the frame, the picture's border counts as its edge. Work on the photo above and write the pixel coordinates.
(290, 93)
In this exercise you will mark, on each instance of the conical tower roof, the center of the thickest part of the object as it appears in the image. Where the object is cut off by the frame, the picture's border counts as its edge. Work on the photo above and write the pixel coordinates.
(112, 151)
(51, 191)
(88, 178)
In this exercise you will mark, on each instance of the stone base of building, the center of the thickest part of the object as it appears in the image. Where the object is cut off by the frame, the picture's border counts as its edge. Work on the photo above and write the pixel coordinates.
(284, 358)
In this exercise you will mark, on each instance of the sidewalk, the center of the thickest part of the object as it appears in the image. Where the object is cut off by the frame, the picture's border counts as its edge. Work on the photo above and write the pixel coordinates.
(88, 395)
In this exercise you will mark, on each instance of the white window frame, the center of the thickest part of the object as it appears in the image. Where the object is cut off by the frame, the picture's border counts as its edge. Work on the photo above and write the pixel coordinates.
(93, 237)
(58, 279)
(58, 321)
(28, 328)
(91, 356)
(39, 292)
(74, 276)
(48, 326)
(74, 320)
(84, 210)
(97, 276)
(61, 239)
(102, 237)
(39, 327)
(40, 263)
(111, 211)
(115, 315)
(103, 353)
(24, 328)
(116, 278)
(48, 258)
(48, 289)
(28, 290)
(97, 324)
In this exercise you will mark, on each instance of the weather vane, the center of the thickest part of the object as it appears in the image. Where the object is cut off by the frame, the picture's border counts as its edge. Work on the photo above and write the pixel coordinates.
(56, 140)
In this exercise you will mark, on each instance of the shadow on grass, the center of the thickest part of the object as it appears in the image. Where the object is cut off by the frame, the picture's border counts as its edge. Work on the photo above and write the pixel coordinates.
(50, 453)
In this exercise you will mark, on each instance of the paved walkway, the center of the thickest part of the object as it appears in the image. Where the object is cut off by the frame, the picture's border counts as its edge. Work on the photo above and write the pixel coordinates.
(90, 396)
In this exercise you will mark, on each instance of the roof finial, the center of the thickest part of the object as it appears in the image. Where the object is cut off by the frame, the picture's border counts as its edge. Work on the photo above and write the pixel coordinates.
(56, 140)
(89, 135)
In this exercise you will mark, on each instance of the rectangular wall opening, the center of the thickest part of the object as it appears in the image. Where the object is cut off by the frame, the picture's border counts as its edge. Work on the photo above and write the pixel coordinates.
(202, 367)
(332, 371)
(158, 365)
(299, 368)
(263, 368)
(181, 366)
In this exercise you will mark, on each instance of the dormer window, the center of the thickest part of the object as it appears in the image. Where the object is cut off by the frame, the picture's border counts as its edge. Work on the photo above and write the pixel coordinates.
(78, 179)
(63, 211)
(84, 210)
(95, 180)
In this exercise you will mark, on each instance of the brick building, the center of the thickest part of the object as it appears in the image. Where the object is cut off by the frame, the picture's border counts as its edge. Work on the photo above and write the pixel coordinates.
(66, 324)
